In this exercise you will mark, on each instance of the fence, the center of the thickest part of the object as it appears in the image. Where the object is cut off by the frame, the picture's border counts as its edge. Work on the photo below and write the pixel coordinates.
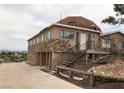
(92, 76)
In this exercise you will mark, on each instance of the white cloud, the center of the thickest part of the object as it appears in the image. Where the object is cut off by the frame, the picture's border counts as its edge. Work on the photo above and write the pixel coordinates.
(20, 22)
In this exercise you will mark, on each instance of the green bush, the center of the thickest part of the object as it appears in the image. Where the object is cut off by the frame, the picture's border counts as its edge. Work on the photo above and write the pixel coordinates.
(13, 57)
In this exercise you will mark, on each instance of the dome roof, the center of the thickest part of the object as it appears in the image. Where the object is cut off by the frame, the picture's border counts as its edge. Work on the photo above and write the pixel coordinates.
(79, 21)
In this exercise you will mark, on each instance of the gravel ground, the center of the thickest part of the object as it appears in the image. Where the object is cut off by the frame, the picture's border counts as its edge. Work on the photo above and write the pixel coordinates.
(116, 68)
(24, 76)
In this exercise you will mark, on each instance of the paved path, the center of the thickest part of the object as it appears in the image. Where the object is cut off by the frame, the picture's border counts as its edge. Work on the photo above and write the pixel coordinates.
(24, 76)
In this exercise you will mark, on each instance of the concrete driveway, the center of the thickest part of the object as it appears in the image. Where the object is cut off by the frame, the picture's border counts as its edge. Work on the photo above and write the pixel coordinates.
(24, 76)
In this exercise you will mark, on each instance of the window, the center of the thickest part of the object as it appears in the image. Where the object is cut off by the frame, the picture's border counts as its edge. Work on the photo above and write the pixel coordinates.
(93, 27)
(37, 40)
(67, 34)
(71, 35)
(44, 37)
(106, 43)
(41, 37)
(33, 42)
(122, 44)
(49, 35)
(72, 23)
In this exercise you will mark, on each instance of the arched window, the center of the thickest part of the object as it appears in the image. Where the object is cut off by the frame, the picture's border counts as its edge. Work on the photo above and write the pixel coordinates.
(93, 27)
(72, 23)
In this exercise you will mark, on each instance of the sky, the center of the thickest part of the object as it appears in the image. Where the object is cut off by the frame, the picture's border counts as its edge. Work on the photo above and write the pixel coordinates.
(20, 22)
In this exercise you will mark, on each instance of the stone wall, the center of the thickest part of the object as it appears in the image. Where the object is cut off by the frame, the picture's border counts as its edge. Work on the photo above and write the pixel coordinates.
(54, 45)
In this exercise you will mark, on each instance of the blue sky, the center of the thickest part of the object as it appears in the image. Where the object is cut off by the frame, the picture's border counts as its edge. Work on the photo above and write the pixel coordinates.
(20, 22)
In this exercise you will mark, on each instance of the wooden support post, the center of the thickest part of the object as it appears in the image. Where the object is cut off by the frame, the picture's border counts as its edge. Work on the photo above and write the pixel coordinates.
(57, 71)
(40, 59)
(86, 58)
(46, 60)
(53, 61)
(92, 80)
(49, 61)
(93, 57)
(70, 75)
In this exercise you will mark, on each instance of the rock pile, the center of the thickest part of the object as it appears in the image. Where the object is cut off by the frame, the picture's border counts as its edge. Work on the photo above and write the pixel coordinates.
(115, 68)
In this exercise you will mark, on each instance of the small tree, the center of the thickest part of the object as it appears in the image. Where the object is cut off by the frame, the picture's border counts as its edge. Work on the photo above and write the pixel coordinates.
(118, 18)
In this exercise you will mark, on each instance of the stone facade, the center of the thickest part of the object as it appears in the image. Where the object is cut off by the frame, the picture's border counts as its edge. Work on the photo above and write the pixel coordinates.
(50, 52)
(53, 46)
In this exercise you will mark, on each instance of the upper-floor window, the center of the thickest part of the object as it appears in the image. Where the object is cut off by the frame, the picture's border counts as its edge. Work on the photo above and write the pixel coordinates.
(49, 35)
(93, 27)
(46, 36)
(41, 37)
(122, 44)
(72, 23)
(31, 42)
(36, 40)
(106, 43)
(67, 34)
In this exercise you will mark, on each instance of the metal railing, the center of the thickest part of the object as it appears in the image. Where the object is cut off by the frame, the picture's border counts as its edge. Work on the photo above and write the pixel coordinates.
(76, 49)
(115, 54)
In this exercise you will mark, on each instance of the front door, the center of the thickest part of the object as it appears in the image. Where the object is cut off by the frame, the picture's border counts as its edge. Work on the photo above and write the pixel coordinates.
(82, 41)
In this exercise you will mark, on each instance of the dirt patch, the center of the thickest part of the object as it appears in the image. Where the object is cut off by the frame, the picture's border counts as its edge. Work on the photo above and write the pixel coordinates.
(25, 76)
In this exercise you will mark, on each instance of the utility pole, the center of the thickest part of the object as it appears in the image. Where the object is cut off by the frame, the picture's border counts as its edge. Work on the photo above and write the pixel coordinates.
(60, 13)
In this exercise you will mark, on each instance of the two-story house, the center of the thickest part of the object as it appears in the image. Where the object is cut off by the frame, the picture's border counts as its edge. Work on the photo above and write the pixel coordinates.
(57, 41)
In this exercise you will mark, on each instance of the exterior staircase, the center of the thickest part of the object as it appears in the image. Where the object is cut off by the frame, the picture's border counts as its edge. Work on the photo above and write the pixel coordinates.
(73, 57)
(76, 57)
